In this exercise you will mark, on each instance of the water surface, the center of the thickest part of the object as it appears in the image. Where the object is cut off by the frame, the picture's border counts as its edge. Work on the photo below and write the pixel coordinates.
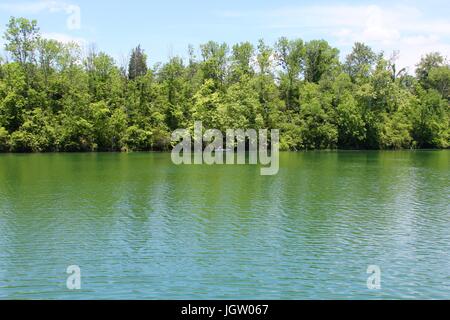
(142, 228)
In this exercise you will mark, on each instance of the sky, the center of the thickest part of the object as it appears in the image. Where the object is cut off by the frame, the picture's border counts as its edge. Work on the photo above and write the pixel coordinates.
(166, 28)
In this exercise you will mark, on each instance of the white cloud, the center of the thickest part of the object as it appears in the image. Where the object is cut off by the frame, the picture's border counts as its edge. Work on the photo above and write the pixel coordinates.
(397, 27)
(53, 6)
(35, 6)
(29, 7)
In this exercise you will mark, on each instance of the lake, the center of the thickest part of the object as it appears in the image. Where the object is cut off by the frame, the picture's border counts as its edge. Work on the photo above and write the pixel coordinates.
(140, 227)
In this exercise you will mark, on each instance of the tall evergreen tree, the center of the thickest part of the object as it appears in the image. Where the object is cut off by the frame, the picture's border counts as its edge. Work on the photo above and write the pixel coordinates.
(138, 63)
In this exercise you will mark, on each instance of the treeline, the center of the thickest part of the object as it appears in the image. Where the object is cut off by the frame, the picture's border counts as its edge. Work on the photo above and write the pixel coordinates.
(54, 97)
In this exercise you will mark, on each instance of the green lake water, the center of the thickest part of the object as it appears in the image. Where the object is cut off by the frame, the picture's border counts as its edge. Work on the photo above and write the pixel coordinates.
(140, 227)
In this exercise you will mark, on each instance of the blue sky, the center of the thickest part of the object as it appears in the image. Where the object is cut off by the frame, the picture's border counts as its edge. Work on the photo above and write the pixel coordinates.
(165, 28)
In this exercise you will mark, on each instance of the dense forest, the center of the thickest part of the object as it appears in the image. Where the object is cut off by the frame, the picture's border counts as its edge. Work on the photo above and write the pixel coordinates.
(59, 97)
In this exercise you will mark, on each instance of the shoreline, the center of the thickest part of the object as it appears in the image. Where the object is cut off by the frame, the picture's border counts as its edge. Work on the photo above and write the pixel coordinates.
(168, 152)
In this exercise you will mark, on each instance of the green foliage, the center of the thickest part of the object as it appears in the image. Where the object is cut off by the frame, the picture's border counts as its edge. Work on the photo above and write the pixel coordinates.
(4, 140)
(241, 60)
(76, 134)
(395, 132)
(439, 79)
(350, 122)
(137, 139)
(359, 63)
(214, 64)
(431, 121)
(53, 99)
(291, 58)
(21, 39)
(316, 119)
(320, 59)
(429, 61)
